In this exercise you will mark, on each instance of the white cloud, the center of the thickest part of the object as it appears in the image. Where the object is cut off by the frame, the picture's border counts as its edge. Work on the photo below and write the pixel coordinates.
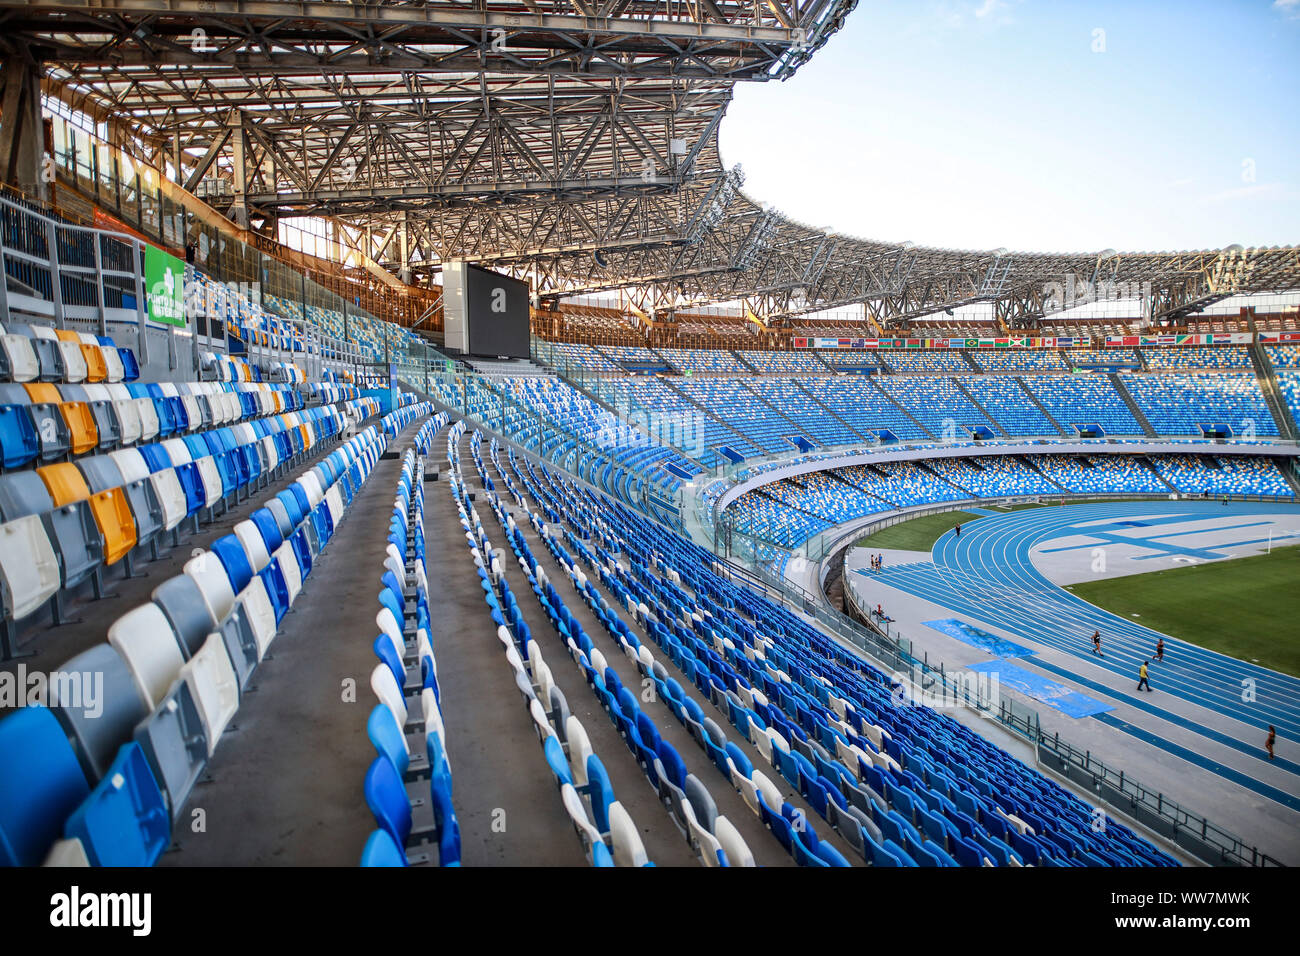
(989, 7)
(1289, 8)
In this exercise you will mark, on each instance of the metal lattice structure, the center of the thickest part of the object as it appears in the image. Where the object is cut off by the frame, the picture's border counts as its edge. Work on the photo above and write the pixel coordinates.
(573, 142)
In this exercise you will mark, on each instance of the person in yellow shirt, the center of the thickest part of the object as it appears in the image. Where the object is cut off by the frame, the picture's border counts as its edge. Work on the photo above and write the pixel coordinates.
(1142, 677)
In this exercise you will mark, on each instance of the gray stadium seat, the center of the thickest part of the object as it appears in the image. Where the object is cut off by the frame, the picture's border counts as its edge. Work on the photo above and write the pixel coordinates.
(23, 493)
(240, 641)
(106, 423)
(182, 603)
(98, 731)
(175, 745)
(76, 539)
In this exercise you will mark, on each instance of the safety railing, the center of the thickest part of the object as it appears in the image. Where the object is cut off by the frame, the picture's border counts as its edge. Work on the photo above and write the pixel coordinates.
(65, 273)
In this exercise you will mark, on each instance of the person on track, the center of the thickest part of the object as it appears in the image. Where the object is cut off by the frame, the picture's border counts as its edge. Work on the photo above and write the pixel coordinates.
(1272, 739)
(958, 529)
(1096, 643)
(1160, 649)
(1142, 677)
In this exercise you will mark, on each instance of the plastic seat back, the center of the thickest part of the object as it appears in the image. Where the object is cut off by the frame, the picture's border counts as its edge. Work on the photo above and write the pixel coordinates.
(116, 524)
(124, 821)
(387, 800)
(51, 429)
(29, 567)
(152, 652)
(130, 367)
(387, 737)
(230, 552)
(382, 850)
(41, 783)
(64, 483)
(19, 443)
(174, 743)
(214, 686)
(18, 361)
(98, 703)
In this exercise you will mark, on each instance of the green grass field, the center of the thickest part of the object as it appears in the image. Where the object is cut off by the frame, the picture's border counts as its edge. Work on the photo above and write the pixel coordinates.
(1246, 607)
(919, 534)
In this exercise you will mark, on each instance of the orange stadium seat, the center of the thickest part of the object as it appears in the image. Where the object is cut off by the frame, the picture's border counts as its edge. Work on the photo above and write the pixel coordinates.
(82, 431)
(64, 483)
(111, 509)
(96, 367)
(116, 526)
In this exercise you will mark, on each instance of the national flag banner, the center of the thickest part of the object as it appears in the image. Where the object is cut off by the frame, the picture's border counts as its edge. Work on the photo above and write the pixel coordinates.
(1001, 343)
(800, 343)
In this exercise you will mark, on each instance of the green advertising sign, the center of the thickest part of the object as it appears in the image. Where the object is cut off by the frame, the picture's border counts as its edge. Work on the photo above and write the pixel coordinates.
(164, 283)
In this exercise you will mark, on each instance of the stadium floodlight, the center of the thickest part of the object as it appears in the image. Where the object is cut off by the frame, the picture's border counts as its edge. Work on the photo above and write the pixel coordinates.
(1235, 249)
(1107, 254)
(998, 253)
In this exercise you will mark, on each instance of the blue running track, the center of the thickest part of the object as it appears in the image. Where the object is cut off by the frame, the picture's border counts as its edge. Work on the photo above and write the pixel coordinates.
(987, 575)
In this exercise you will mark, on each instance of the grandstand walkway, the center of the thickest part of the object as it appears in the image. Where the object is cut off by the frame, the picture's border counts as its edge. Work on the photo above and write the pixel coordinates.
(285, 787)
(665, 844)
(500, 776)
(87, 620)
(766, 850)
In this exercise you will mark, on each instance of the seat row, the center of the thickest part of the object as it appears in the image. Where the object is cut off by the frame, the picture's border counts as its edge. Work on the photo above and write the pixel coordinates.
(405, 636)
(710, 832)
(712, 836)
(220, 367)
(30, 353)
(46, 422)
(327, 393)
(104, 785)
(608, 834)
(63, 523)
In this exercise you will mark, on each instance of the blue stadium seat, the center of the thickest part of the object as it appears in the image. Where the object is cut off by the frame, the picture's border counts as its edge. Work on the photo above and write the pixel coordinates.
(124, 821)
(41, 783)
(382, 850)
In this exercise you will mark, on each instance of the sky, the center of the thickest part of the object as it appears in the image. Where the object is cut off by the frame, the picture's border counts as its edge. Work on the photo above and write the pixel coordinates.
(1045, 125)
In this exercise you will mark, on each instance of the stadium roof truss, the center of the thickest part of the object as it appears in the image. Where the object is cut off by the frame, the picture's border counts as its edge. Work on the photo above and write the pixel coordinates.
(570, 141)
